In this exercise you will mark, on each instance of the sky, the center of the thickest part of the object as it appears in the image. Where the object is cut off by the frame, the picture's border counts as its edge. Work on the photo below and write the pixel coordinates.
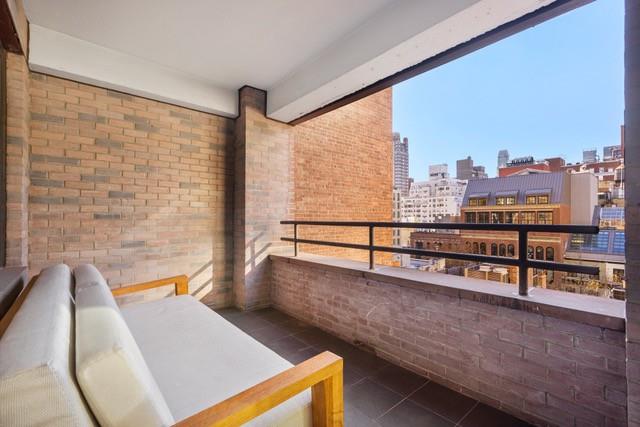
(552, 90)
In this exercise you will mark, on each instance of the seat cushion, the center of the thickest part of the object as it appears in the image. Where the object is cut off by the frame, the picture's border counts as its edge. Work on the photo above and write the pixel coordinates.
(37, 382)
(199, 359)
(112, 374)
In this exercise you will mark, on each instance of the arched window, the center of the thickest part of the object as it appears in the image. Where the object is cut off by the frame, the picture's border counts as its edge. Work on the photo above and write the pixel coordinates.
(511, 250)
(494, 249)
(483, 248)
(549, 253)
(502, 250)
(475, 248)
(530, 252)
(467, 247)
(539, 252)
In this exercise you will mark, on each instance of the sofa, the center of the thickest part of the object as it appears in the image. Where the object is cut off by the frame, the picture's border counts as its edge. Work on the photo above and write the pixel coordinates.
(70, 356)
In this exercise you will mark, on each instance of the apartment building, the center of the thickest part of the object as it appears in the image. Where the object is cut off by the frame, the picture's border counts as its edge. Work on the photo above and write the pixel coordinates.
(542, 198)
(400, 163)
(467, 171)
(435, 199)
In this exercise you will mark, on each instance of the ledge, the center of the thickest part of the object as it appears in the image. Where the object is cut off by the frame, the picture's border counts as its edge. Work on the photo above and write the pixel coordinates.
(595, 311)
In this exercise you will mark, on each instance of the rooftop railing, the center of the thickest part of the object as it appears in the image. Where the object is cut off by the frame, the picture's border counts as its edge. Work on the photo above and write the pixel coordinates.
(521, 261)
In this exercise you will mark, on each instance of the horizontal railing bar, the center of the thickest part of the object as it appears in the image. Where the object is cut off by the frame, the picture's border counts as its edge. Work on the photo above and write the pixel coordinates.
(545, 228)
(546, 265)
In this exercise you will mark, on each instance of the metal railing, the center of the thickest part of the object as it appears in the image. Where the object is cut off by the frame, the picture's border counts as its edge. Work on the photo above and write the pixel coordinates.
(521, 261)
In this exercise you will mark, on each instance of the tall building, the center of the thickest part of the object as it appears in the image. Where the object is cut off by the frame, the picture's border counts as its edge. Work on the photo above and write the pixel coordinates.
(503, 159)
(466, 170)
(590, 156)
(434, 200)
(400, 163)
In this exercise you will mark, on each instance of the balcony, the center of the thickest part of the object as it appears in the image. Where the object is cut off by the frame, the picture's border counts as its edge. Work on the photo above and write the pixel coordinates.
(144, 150)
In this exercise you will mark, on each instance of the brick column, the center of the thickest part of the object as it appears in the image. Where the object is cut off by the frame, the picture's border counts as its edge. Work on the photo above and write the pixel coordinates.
(632, 205)
(262, 196)
(17, 160)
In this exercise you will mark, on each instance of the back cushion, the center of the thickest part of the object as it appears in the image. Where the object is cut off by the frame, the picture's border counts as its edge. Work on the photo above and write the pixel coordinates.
(37, 384)
(112, 373)
(87, 275)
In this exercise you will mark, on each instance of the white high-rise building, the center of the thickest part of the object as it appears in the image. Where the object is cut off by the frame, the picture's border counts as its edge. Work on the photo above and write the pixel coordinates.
(434, 200)
(503, 159)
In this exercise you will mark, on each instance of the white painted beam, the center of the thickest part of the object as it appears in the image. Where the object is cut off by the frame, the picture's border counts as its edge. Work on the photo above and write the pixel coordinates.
(64, 56)
(401, 35)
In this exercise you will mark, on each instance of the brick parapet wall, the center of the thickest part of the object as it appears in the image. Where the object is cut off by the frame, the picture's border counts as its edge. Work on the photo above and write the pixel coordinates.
(543, 369)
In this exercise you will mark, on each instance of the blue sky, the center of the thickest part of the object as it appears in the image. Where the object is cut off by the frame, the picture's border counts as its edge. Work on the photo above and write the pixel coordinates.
(551, 90)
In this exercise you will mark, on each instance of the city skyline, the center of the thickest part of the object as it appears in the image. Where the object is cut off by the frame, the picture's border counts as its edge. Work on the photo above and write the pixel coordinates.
(558, 90)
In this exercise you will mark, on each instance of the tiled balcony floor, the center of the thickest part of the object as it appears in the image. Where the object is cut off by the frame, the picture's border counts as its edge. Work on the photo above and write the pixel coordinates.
(376, 392)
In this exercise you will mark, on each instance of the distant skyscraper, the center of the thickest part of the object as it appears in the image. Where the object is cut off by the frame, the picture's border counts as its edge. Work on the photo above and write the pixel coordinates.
(466, 170)
(589, 156)
(400, 163)
(503, 159)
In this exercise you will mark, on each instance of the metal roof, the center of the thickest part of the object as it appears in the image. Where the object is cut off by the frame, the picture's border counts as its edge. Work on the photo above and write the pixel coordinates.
(522, 184)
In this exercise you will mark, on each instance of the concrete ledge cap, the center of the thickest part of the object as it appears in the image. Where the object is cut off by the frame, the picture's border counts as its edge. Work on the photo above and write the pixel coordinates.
(596, 311)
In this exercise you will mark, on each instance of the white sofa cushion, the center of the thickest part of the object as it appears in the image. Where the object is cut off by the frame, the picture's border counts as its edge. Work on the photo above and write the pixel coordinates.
(112, 374)
(199, 359)
(37, 384)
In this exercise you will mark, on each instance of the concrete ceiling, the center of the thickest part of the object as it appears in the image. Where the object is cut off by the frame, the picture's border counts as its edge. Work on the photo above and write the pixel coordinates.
(197, 53)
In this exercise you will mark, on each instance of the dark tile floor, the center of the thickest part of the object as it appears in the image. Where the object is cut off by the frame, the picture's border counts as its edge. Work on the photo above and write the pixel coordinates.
(376, 393)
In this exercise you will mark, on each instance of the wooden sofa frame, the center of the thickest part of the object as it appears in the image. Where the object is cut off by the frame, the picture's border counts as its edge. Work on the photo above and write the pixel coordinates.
(322, 373)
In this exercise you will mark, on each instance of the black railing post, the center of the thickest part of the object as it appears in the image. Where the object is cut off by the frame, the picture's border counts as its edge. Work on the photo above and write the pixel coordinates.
(295, 239)
(523, 269)
(371, 260)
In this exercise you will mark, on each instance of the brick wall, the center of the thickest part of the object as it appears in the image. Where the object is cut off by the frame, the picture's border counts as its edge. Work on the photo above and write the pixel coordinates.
(343, 172)
(139, 188)
(543, 369)
(17, 160)
(632, 203)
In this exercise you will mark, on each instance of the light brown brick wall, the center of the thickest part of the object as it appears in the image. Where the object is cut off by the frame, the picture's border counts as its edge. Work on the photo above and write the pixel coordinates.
(543, 369)
(343, 172)
(17, 160)
(139, 188)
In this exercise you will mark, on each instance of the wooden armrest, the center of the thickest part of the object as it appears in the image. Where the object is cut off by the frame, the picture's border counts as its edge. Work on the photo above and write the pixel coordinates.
(323, 373)
(181, 285)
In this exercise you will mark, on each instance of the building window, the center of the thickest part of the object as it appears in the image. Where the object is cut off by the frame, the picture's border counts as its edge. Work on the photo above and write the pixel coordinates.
(419, 245)
(531, 200)
(502, 250)
(505, 200)
(478, 201)
(483, 217)
(483, 248)
(470, 217)
(539, 252)
(475, 248)
(511, 217)
(545, 217)
(530, 252)
(494, 249)
(528, 217)
(549, 255)
(543, 199)
(497, 217)
(511, 250)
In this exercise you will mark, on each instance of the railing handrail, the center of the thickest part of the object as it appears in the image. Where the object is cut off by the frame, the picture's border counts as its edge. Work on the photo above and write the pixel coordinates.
(522, 261)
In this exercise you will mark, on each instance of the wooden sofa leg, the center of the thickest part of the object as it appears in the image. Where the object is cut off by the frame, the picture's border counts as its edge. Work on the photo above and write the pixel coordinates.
(327, 403)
